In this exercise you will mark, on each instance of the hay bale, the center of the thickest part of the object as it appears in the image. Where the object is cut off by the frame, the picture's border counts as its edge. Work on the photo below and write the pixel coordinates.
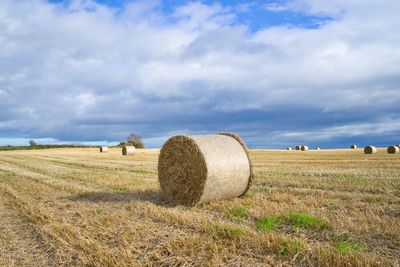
(393, 149)
(304, 148)
(353, 146)
(370, 150)
(127, 150)
(202, 168)
(103, 149)
(317, 148)
(288, 148)
(298, 147)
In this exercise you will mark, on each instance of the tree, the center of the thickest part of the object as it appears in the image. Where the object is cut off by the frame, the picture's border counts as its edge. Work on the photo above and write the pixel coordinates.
(121, 144)
(32, 143)
(135, 140)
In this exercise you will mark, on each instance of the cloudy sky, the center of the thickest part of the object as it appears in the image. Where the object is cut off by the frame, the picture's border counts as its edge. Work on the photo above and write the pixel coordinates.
(278, 73)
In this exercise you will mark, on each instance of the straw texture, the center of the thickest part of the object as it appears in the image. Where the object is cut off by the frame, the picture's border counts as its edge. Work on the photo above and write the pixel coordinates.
(393, 149)
(203, 168)
(128, 150)
(370, 150)
(103, 149)
(304, 148)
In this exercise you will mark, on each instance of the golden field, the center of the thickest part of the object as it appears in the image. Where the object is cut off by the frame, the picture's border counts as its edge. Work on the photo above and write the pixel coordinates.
(78, 207)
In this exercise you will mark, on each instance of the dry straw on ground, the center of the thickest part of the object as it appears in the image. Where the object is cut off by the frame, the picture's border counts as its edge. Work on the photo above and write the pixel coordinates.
(128, 150)
(393, 149)
(73, 207)
(353, 146)
(304, 148)
(103, 149)
(370, 150)
(203, 168)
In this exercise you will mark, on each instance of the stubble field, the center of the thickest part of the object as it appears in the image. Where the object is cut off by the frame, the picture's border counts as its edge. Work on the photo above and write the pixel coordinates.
(79, 207)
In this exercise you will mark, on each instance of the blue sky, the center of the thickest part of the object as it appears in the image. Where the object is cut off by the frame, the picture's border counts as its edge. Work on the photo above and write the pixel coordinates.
(279, 73)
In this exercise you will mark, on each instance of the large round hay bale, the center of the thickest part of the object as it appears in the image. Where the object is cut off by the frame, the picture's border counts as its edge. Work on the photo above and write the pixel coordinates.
(298, 147)
(393, 149)
(127, 150)
(353, 146)
(103, 149)
(370, 150)
(202, 168)
(317, 148)
(304, 148)
(288, 148)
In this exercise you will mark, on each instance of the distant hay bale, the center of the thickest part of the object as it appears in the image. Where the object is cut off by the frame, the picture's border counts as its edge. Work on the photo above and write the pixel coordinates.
(103, 149)
(202, 168)
(353, 146)
(304, 148)
(127, 150)
(298, 147)
(288, 148)
(370, 150)
(317, 148)
(393, 149)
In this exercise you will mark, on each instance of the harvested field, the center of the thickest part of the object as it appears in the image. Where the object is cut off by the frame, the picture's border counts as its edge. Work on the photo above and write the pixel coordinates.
(80, 207)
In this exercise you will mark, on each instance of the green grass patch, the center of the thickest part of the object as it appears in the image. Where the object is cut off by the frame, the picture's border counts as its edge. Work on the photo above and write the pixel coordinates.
(225, 231)
(143, 171)
(290, 247)
(240, 212)
(265, 190)
(120, 188)
(349, 247)
(304, 220)
(100, 211)
(268, 223)
(353, 179)
(4, 240)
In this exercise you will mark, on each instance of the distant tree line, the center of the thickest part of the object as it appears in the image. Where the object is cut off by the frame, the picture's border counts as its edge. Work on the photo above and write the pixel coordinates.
(132, 140)
(3, 148)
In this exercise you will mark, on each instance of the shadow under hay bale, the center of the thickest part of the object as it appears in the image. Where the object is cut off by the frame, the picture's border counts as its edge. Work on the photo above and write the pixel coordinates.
(128, 150)
(199, 169)
(103, 149)
(152, 196)
(370, 150)
(393, 150)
